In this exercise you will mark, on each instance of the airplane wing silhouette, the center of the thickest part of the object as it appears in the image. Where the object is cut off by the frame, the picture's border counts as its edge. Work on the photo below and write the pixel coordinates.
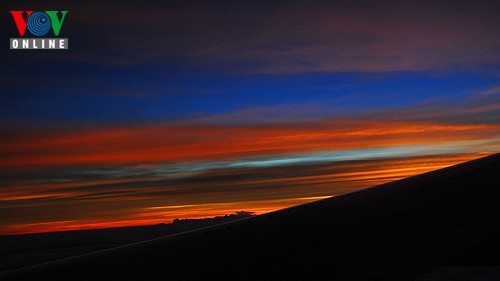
(395, 231)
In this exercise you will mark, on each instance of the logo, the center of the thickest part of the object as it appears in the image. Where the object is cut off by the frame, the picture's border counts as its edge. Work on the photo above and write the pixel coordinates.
(38, 24)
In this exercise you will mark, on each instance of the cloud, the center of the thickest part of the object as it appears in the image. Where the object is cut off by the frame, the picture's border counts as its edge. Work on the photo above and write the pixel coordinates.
(287, 37)
(491, 91)
(208, 194)
(478, 109)
(114, 173)
(261, 158)
(163, 142)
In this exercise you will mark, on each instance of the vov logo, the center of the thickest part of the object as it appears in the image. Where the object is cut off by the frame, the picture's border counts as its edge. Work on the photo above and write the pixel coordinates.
(39, 24)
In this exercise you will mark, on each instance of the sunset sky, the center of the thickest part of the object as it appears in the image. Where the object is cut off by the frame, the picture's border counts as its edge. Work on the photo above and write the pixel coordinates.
(189, 109)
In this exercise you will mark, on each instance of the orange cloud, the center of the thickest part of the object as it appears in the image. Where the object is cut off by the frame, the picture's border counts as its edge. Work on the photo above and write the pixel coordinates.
(102, 176)
(178, 143)
(212, 193)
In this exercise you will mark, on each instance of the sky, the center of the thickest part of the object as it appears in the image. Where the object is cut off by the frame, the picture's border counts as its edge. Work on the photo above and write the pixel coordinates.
(191, 109)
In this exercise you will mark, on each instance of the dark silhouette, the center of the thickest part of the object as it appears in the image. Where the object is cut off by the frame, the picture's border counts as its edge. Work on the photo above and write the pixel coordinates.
(395, 231)
(217, 219)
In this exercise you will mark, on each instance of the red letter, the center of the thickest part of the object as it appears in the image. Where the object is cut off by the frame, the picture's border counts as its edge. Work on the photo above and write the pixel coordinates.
(20, 21)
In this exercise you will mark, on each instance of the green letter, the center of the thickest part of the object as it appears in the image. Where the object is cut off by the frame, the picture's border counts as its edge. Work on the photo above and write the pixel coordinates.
(56, 23)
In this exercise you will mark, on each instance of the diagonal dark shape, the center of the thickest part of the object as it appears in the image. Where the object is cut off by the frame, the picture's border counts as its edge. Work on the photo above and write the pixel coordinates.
(395, 231)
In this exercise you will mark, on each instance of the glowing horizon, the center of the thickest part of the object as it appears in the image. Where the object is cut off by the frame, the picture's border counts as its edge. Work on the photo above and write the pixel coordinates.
(238, 106)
